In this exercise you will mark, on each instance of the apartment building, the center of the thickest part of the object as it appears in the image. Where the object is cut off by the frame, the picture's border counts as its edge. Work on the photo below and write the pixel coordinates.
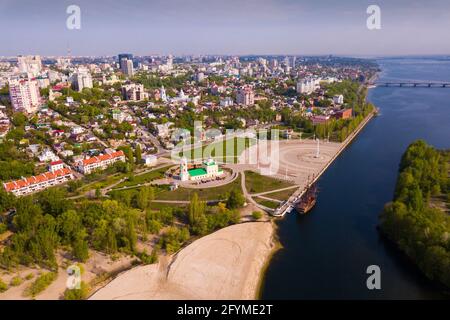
(33, 184)
(101, 162)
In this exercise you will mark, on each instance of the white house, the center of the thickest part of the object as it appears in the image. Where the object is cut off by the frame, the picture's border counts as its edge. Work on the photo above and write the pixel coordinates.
(339, 99)
(149, 159)
(48, 155)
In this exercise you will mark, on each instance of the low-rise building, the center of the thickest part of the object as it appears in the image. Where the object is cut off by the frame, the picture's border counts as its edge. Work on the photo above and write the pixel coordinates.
(319, 119)
(48, 155)
(149, 159)
(339, 99)
(210, 169)
(55, 166)
(343, 114)
(101, 162)
(33, 184)
(226, 102)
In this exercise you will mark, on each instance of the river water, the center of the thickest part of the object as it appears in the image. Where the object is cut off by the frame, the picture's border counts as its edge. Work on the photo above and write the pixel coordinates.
(326, 253)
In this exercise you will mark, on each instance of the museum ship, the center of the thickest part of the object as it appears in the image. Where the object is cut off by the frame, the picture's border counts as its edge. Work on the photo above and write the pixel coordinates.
(308, 200)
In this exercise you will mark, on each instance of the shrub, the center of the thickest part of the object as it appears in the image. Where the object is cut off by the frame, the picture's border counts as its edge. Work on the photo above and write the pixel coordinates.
(3, 286)
(16, 281)
(3, 227)
(149, 258)
(256, 215)
(78, 294)
(40, 284)
(173, 238)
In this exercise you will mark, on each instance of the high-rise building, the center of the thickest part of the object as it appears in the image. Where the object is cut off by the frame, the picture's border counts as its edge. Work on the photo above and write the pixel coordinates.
(127, 67)
(82, 79)
(200, 77)
(127, 56)
(63, 63)
(306, 86)
(24, 95)
(170, 62)
(273, 63)
(163, 95)
(29, 64)
(245, 96)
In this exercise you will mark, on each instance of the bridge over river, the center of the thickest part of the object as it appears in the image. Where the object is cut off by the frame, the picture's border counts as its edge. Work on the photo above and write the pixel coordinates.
(411, 84)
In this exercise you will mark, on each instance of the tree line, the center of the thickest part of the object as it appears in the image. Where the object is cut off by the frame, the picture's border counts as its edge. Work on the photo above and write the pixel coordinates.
(419, 228)
(47, 221)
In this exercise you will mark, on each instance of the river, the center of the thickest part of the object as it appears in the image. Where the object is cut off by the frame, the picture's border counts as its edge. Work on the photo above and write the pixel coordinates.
(325, 254)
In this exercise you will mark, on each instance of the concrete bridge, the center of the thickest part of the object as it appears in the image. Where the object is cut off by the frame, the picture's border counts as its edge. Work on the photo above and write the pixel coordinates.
(411, 84)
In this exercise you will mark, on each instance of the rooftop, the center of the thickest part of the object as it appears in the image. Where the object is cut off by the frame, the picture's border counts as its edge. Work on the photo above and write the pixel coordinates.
(197, 172)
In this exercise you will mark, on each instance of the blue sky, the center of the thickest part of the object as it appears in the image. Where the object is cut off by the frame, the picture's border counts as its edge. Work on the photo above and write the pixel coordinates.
(225, 27)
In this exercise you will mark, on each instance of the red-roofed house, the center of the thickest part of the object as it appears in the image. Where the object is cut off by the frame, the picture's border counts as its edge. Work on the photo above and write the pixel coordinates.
(100, 162)
(56, 165)
(37, 183)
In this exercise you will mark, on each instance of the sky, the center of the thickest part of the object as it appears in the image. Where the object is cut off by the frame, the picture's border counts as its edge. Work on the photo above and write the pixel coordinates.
(240, 27)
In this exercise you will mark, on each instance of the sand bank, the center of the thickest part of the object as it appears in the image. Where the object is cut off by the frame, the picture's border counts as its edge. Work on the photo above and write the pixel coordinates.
(224, 265)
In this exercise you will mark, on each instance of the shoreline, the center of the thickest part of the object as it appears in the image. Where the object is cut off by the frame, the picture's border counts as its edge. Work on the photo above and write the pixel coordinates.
(227, 264)
(277, 246)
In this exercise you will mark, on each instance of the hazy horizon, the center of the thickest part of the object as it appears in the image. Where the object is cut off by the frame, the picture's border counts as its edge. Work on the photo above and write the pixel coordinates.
(248, 27)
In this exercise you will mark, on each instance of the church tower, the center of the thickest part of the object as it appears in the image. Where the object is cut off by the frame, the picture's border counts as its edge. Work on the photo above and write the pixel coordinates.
(184, 175)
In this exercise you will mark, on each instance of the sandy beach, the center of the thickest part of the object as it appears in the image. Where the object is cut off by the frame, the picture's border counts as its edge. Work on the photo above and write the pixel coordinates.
(227, 264)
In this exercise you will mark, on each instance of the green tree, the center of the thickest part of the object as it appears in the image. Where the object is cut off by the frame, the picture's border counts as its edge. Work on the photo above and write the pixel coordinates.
(143, 198)
(54, 201)
(236, 199)
(196, 216)
(138, 154)
(19, 119)
(80, 249)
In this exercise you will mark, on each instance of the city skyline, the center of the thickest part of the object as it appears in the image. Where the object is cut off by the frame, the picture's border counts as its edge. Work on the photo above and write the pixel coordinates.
(232, 27)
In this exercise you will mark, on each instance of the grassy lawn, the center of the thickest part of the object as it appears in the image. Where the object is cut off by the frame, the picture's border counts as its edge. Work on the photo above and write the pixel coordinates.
(267, 203)
(256, 183)
(159, 206)
(185, 194)
(281, 195)
(144, 178)
(103, 182)
(240, 144)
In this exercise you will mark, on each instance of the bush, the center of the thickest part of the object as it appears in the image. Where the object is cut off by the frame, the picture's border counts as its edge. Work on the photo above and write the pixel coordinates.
(173, 238)
(16, 281)
(149, 259)
(236, 199)
(77, 294)
(29, 276)
(3, 228)
(40, 284)
(256, 215)
(3, 286)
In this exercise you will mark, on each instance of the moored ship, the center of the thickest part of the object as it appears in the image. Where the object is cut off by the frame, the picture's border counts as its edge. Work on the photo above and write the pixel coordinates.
(308, 200)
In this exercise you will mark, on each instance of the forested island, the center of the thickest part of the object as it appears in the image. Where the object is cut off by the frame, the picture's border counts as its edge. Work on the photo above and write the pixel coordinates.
(418, 219)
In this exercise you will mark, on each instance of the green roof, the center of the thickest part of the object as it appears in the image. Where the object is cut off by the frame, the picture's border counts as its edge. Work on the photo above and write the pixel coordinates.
(197, 172)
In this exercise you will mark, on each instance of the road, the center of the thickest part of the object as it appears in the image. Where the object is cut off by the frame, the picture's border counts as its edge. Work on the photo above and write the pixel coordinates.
(107, 189)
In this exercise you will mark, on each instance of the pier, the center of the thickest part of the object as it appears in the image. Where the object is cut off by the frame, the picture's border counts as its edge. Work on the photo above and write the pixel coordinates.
(290, 204)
